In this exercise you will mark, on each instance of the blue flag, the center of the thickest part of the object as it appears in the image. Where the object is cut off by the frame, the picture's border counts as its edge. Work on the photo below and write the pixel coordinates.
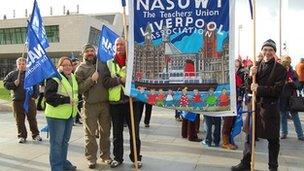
(38, 26)
(39, 66)
(190, 116)
(106, 44)
(238, 123)
(123, 3)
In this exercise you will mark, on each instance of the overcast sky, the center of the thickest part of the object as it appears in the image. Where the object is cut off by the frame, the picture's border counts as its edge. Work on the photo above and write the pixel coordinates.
(267, 19)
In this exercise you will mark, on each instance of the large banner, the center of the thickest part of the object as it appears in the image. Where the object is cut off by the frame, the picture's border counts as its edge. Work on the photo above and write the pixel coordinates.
(181, 55)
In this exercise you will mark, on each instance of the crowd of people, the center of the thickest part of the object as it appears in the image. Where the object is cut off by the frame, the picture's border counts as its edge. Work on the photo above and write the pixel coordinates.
(92, 93)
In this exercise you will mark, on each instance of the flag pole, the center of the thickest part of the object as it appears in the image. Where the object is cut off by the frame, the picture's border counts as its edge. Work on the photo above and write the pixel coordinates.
(254, 92)
(280, 28)
(130, 98)
(22, 55)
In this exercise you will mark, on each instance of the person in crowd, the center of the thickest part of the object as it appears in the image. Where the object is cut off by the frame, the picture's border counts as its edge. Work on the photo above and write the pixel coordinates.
(148, 111)
(41, 106)
(61, 95)
(289, 90)
(114, 78)
(76, 63)
(270, 79)
(190, 130)
(300, 72)
(211, 101)
(95, 109)
(14, 81)
(216, 121)
(229, 120)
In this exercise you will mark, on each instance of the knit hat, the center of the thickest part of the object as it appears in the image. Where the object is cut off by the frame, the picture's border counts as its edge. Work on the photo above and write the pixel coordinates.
(270, 43)
(87, 46)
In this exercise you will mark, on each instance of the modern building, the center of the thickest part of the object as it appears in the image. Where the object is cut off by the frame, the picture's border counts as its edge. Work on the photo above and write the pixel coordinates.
(66, 35)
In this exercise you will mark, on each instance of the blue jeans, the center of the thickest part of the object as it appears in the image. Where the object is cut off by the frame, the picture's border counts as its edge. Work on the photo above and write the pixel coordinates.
(216, 121)
(296, 122)
(60, 133)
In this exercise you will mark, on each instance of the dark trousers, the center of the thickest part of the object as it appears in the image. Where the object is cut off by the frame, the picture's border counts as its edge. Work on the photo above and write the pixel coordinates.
(119, 113)
(273, 152)
(39, 102)
(177, 114)
(216, 121)
(189, 128)
(148, 110)
(20, 115)
(79, 106)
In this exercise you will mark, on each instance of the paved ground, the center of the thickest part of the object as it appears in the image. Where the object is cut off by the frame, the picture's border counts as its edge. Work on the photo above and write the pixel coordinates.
(163, 149)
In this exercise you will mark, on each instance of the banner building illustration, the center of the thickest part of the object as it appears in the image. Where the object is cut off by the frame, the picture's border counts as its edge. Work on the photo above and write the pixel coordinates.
(181, 55)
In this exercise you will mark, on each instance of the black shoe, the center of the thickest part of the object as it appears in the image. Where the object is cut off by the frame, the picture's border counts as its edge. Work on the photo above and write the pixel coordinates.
(196, 140)
(283, 136)
(241, 167)
(273, 169)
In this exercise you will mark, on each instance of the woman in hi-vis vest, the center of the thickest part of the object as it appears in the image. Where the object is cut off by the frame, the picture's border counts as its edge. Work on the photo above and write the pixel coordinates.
(61, 108)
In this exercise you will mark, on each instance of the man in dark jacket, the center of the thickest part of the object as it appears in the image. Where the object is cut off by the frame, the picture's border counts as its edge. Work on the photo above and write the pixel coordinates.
(270, 78)
(14, 81)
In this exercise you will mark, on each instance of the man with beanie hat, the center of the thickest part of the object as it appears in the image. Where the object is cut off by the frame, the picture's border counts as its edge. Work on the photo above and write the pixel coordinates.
(95, 107)
(270, 79)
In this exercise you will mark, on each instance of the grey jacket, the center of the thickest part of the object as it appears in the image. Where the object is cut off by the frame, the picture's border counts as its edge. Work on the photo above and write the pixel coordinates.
(93, 92)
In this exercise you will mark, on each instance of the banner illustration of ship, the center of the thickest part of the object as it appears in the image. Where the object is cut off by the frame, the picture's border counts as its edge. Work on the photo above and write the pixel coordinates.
(181, 55)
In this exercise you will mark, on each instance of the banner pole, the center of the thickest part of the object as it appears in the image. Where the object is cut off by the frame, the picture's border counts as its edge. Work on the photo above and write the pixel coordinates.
(22, 55)
(130, 98)
(254, 92)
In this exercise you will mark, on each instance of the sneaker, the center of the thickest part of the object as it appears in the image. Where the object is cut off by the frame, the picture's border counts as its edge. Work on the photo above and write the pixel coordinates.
(301, 139)
(205, 143)
(115, 163)
(106, 161)
(21, 140)
(147, 125)
(92, 165)
(37, 138)
(139, 164)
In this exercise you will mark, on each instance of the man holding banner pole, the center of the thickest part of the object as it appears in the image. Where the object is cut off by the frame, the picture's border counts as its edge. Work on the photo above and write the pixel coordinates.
(270, 79)
(114, 79)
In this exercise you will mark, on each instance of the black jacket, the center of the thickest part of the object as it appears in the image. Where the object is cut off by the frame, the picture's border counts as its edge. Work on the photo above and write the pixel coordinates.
(18, 92)
(271, 77)
(51, 96)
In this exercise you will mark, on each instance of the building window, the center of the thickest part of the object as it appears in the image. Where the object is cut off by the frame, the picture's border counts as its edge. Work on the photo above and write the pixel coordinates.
(17, 35)
(94, 36)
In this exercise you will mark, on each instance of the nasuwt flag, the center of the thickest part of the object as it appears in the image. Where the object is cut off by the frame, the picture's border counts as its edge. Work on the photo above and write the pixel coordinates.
(106, 44)
(38, 26)
(181, 55)
(39, 66)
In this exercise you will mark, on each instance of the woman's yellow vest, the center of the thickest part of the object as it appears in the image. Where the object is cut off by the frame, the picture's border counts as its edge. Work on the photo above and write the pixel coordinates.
(115, 92)
(64, 111)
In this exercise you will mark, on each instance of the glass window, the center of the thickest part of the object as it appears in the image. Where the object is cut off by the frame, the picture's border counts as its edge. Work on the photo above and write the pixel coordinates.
(18, 35)
(94, 36)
